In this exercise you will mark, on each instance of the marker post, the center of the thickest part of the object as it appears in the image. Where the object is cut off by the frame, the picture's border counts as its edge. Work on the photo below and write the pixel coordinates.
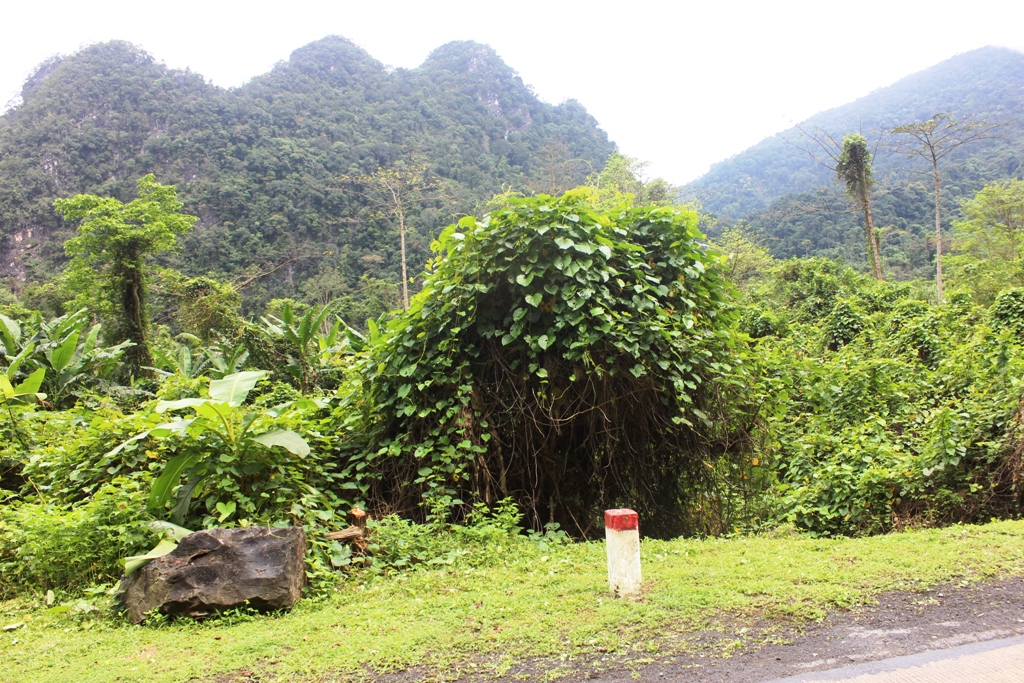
(622, 541)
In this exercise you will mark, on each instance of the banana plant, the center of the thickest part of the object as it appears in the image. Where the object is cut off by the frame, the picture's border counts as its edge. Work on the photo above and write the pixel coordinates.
(66, 347)
(179, 362)
(226, 361)
(23, 393)
(301, 335)
(170, 535)
(215, 361)
(221, 437)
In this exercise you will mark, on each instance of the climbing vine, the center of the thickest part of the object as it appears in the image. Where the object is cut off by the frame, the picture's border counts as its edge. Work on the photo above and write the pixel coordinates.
(570, 358)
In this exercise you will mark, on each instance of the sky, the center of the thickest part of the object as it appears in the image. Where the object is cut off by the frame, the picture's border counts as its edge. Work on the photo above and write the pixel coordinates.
(680, 85)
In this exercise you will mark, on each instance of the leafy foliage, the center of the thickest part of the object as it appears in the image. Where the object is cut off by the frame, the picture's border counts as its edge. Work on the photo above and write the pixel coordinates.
(566, 354)
(312, 352)
(887, 411)
(263, 164)
(853, 169)
(66, 348)
(46, 545)
(108, 258)
(553, 343)
(1008, 311)
(224, 441)
(989, 242)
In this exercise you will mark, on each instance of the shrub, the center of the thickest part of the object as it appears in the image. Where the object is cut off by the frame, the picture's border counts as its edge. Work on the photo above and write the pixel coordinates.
(46, 545)
(559, 355)
(842, 325)
(1008, 311)
(914, 421)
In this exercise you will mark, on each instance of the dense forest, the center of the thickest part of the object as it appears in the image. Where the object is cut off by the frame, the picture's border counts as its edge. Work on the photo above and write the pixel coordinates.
(279, 170)
(784, 190)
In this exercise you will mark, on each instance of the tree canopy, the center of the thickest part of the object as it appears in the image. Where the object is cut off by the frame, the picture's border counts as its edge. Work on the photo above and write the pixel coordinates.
(109, 252)
(263, 165)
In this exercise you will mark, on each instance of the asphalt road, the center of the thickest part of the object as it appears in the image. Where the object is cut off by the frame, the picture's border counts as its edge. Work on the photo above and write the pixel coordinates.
(994, 661)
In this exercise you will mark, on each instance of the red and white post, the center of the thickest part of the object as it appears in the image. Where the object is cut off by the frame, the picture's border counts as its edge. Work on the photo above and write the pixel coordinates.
(622, 541)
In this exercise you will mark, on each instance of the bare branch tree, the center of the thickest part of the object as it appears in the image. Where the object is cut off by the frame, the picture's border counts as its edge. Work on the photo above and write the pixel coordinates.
(393, 191)
(934, 140)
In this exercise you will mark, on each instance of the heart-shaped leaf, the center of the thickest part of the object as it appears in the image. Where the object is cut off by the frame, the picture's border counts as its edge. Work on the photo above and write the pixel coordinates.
(226, 510)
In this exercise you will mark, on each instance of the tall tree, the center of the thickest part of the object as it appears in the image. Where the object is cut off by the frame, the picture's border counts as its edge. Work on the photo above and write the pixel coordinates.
(626, 175)
(393, 192)
(850, 161)
(109, 252)
(853, 169)
(934, 140)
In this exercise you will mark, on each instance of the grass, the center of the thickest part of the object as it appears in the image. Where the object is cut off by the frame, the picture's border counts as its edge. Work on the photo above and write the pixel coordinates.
(549, 603)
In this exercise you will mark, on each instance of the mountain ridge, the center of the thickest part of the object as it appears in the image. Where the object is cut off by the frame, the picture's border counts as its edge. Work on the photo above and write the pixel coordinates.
(987, 82)
(261, 164)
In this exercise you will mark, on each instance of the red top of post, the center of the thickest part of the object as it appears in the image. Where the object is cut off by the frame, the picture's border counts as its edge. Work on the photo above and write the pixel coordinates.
(621, 520)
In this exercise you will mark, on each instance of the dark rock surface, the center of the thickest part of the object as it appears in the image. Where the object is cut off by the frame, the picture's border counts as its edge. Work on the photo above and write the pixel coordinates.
(219, 569)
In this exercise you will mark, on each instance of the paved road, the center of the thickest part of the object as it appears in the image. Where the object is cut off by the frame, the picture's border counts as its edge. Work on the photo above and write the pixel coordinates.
(994, 661)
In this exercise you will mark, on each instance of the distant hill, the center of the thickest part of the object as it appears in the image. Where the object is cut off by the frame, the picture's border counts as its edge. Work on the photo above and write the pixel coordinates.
(988, 82)
(790, 200)
(262, 165)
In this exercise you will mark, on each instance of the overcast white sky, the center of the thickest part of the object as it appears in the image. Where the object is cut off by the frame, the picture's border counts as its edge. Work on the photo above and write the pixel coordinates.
(680, 84)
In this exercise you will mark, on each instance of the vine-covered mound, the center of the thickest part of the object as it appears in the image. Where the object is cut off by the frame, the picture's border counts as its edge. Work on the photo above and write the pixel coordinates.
(560, 353)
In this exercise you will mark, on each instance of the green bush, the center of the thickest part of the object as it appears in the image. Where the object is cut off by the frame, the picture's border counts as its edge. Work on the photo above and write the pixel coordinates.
(1008, 311)
(486, 537)
(557, 342)
(842, 325)
(907, 417)
(46, 545)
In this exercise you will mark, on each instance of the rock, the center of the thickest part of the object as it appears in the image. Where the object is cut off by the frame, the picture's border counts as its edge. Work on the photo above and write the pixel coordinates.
(218, 569)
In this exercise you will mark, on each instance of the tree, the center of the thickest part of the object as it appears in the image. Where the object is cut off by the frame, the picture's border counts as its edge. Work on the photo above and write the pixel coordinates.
(850, 161)
(556, 169)
(934, 140)
(626, 175)
(853, 169)
(990, 240)
(394, 191)
(109, 252)
(746, 257)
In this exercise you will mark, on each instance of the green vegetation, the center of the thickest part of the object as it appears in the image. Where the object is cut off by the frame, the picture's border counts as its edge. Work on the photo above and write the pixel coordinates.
(266, 167)
(886, 411)
(279, 357)
(989, 241)
(487, 386)
(853, 169)
(984, 83)
(577, 338)
(108, 255)
(779, 190)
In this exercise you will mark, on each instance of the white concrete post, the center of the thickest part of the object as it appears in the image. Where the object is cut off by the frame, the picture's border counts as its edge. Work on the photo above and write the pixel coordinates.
(622, 540)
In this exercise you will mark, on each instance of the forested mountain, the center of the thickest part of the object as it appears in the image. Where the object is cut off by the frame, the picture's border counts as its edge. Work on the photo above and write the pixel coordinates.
(791, 200)
(988, 82)
(268, 166)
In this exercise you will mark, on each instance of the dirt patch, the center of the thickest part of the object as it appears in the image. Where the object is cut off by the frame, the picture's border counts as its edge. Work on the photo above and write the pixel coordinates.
(901, 623)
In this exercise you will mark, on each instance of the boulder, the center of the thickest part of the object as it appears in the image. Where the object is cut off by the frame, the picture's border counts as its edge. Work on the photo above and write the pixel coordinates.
(218, 569)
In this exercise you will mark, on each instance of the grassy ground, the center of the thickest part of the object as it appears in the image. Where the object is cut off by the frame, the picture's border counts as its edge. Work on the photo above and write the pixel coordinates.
(548, 602)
